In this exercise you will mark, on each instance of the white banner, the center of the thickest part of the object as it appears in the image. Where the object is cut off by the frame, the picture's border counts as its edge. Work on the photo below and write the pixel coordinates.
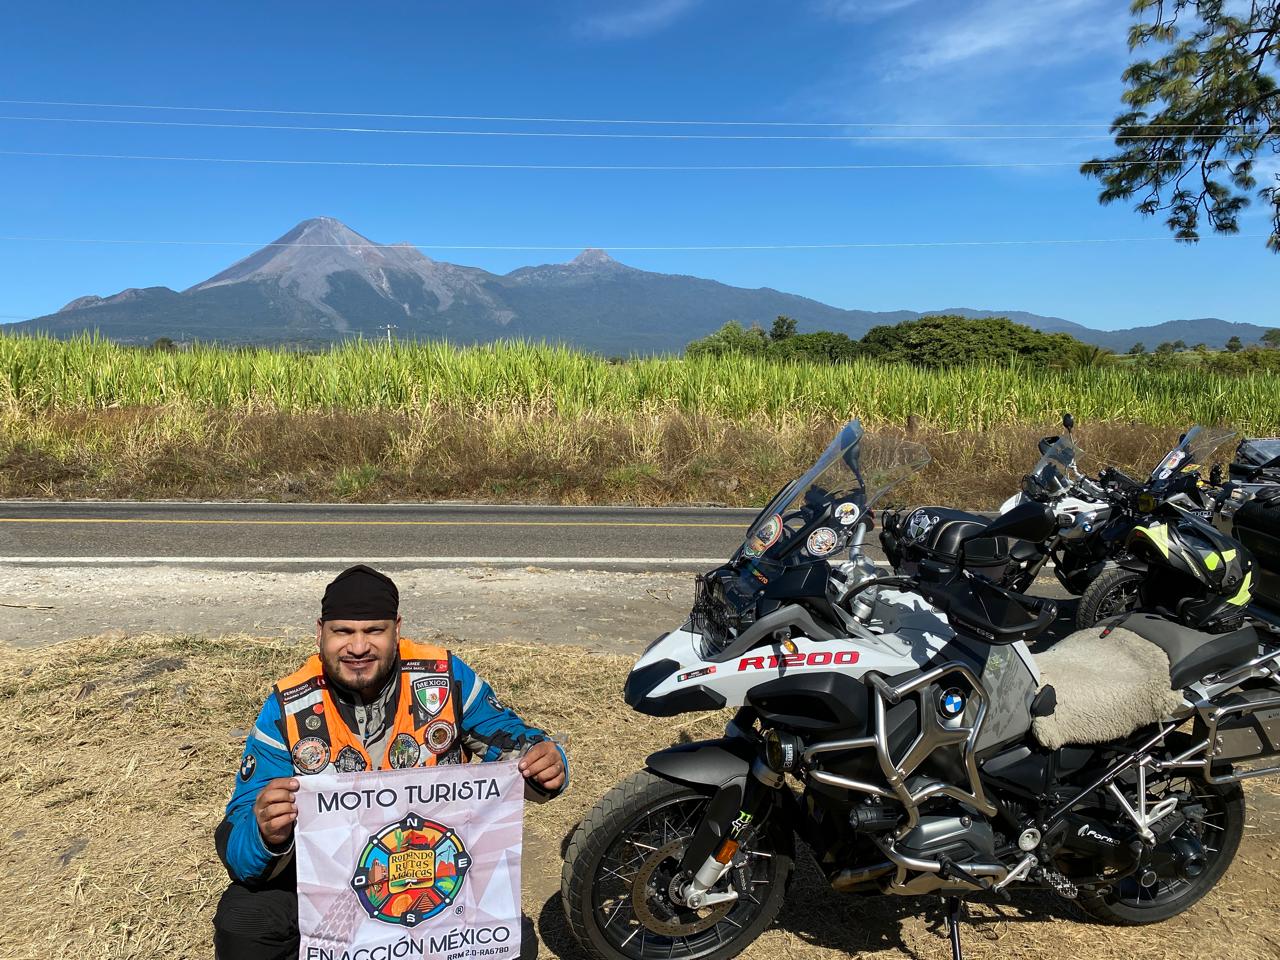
(422, 862)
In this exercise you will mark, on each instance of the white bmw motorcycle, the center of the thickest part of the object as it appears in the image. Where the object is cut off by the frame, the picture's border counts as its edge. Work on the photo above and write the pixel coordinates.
(903, 730)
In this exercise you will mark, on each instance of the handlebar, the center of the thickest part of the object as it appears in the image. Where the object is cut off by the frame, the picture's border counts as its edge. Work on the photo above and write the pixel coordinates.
(968, 608)
(1091, 489)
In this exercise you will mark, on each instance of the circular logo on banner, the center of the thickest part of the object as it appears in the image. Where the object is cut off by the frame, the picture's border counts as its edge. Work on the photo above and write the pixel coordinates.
(411, 871)
(310, 755)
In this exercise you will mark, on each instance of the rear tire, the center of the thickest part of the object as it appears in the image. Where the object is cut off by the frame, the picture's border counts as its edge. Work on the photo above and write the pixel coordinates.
(1112, 592)
(629, 811)
(1129, 904)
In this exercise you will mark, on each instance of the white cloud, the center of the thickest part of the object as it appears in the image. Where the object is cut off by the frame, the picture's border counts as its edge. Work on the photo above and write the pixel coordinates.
(1011, 32)
(634, 19)
(984, 62)
(860, 9)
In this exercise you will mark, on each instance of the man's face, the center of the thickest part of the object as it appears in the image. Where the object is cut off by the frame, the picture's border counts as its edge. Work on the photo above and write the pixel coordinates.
(359, 654)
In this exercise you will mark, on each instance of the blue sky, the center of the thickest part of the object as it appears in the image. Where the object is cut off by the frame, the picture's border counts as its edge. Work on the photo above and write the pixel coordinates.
(931, 66)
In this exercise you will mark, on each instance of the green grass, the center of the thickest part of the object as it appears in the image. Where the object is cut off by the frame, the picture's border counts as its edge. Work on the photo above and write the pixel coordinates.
(351, 482)
(39, 375)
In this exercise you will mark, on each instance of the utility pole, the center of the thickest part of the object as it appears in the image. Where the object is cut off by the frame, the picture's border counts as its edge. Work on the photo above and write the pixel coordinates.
(388, 327)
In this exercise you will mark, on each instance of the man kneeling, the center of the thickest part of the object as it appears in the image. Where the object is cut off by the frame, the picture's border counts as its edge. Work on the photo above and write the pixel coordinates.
(370, 700)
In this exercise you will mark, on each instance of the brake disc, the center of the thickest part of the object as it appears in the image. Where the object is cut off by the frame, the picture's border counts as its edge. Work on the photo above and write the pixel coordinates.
(651, 898)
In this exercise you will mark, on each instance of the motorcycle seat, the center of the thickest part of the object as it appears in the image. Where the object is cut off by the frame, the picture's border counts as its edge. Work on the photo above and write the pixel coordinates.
(1193, 654)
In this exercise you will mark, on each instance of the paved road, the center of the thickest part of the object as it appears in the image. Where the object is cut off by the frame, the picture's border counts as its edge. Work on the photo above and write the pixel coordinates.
(70, 569)
(283, 535)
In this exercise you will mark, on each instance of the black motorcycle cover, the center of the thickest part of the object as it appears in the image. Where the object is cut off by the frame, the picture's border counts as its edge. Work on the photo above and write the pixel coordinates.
(935, 533)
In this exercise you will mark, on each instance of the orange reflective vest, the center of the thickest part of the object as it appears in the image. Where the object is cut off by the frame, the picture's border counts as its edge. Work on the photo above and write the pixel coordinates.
(423, 733)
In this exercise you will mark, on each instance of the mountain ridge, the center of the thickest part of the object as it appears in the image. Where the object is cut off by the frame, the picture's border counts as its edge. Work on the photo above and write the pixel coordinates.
(322, 282)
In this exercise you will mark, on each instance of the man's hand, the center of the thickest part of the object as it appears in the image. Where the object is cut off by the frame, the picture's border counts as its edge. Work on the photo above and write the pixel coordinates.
(275, 811)
(542, 765)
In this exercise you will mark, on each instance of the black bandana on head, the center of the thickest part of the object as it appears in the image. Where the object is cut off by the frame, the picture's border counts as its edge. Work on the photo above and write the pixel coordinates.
(360, 593)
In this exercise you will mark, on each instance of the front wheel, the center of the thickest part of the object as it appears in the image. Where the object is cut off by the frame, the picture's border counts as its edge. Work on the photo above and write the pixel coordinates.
(1112, 592)
(621, 866)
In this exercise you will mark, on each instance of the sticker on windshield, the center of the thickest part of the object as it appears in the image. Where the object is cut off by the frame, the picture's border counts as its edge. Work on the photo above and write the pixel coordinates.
(766, 536)
(847, 513)
(822, 542)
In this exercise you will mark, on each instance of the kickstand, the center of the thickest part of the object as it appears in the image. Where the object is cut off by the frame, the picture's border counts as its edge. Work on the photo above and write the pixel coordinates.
(953, 927)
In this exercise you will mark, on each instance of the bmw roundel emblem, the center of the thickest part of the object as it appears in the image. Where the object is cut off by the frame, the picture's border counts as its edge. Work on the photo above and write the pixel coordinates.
(952, 703)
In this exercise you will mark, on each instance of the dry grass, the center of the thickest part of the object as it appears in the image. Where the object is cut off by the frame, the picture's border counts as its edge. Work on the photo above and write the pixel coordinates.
(659, 458)
(119, 754)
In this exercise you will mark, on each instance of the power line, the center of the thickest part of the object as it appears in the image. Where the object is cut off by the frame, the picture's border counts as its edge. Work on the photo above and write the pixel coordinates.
(857, 245)
(443, 165)
(585, 120)
(558, 134)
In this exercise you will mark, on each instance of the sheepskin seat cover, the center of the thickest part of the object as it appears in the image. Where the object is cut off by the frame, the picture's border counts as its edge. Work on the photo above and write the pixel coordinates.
(1106, 687)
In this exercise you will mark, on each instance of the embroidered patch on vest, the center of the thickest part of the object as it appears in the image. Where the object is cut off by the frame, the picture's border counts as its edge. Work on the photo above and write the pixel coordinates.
(453, 756)
(439, 736)
(424, 666)
(431, 694)
(349, 760)
(404, 752)
(310, 755)
(247, 766)
(301, 690)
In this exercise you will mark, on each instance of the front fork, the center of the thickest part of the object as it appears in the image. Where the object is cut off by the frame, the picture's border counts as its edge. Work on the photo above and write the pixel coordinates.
(733, 814)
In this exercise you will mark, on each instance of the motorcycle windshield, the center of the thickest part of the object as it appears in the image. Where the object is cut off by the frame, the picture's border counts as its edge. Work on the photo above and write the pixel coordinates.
(1192, 452)
(1052, 471)
(847, 480)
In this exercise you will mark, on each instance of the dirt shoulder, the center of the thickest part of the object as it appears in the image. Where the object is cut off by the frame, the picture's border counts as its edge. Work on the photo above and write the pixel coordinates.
(120, 754)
